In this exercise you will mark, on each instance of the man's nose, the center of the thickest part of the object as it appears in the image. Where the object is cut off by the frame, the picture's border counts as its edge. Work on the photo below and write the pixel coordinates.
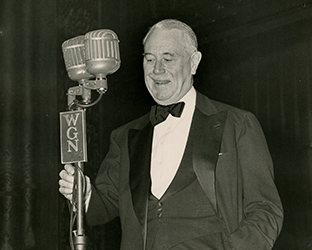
(158, 67)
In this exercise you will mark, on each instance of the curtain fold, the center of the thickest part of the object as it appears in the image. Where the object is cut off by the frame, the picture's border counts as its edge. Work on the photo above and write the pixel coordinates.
(16, 126)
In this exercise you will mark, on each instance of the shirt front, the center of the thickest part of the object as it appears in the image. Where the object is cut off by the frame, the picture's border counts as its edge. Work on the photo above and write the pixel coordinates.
(169, 141)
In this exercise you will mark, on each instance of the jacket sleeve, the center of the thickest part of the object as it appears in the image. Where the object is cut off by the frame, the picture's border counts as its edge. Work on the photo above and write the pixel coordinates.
(103, 205)
(262, 214)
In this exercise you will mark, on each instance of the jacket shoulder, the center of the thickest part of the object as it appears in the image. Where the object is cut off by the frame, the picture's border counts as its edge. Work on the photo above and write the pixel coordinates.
(216, 106)
(231, 109)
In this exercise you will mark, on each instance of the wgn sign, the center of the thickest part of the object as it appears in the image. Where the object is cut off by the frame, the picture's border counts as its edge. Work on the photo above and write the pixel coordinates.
(73, 136)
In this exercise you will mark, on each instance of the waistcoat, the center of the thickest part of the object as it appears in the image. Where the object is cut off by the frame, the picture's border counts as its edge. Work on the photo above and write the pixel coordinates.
(184, 214)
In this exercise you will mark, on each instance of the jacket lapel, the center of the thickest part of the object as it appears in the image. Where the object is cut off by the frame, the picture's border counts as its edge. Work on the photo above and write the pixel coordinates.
(207, 128)
(207, 131)
(139, 146)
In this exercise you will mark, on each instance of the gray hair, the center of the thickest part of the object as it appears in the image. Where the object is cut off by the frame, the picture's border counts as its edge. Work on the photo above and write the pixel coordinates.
(172, 24)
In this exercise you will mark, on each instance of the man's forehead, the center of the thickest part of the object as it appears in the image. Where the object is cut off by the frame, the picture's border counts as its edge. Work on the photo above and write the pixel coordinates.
(164, 41)
(159, 36)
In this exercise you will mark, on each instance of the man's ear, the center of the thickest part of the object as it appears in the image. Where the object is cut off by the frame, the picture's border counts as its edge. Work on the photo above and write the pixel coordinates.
(195, 60)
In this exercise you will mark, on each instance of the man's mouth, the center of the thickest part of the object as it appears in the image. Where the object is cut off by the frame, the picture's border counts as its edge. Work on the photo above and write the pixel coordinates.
(161, 82)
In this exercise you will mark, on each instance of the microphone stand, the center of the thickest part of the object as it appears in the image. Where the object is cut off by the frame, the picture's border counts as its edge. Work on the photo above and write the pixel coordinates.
(80, 239)
(84, 90)
(96, 54)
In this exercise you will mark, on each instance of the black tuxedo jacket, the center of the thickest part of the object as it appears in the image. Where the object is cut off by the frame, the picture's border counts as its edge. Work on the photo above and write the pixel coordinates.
(231, 161)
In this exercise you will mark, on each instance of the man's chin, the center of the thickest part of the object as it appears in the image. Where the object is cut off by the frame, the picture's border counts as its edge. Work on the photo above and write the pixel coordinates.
(163, 96)
(164, 101)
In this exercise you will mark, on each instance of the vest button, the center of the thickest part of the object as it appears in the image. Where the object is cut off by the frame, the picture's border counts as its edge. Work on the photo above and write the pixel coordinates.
(159, 215)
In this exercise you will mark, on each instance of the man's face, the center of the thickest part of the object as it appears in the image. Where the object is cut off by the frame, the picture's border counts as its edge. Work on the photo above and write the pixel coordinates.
(168, 67)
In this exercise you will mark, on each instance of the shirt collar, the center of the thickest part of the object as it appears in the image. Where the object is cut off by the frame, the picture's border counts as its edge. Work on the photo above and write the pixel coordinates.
(189, 99)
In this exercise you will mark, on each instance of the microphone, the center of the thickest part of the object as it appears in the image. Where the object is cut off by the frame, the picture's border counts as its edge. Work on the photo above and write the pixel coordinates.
(102, 54)
(93, 55)
(75, 59)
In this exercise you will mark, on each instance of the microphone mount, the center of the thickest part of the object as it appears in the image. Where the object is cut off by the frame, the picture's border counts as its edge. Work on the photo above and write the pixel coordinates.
(84, 90)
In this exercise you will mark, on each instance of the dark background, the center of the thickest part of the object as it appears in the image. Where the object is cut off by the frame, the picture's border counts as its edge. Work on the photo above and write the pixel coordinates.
(257, 55)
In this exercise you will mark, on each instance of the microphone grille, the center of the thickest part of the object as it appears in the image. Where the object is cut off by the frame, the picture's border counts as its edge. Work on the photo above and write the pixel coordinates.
(102, 44)
(74, 52)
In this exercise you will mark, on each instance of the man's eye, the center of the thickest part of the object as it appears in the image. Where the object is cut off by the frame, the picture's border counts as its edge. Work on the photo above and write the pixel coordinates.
(148, 59)
(167, 59)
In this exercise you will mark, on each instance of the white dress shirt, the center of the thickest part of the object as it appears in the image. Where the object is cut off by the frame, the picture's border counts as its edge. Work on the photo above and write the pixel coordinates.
(169, 141)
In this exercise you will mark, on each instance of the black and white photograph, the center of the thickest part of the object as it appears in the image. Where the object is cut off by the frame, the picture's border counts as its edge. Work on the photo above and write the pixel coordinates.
(156, 125)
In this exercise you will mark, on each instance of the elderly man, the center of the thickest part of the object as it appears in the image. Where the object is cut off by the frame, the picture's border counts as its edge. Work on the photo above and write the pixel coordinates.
(193, 173)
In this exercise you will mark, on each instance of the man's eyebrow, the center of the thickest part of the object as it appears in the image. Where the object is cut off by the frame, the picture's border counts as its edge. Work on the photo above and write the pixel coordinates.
(168, 54)
(164, 54)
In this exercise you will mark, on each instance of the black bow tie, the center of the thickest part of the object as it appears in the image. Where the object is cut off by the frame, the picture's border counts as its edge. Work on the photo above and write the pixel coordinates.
(159, 113)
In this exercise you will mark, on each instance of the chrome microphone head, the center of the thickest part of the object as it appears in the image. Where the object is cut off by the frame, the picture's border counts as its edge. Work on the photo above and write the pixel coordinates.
(75, 59)
(102, 52)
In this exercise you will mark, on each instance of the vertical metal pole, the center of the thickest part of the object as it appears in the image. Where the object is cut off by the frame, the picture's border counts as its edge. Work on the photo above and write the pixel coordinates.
(80, 199)
(80, 239)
